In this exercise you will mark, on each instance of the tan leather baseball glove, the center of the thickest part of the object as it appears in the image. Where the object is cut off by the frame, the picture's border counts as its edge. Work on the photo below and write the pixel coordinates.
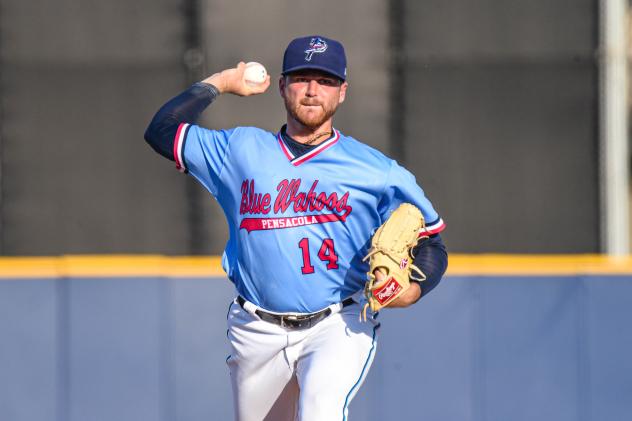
(391, 254)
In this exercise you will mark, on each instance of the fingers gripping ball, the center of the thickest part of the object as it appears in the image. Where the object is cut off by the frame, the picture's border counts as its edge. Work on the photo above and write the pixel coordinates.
(391, 254)
(255, 73)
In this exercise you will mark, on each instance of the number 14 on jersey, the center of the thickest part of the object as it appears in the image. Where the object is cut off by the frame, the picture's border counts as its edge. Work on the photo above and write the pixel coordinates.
(326, 253)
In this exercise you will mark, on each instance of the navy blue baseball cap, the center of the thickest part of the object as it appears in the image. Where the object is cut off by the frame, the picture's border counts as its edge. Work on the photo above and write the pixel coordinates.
(315, 52)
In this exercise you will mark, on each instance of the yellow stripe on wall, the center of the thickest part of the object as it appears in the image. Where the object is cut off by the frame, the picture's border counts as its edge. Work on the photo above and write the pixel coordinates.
(110, 266)
(210, 266)
(575, 264)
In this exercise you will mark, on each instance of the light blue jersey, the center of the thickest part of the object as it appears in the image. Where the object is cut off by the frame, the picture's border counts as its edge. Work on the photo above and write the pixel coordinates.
(299, 226)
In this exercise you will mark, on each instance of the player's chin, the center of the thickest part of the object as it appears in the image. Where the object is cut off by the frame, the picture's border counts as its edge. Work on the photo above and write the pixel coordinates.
(314, 117)
(311, 120)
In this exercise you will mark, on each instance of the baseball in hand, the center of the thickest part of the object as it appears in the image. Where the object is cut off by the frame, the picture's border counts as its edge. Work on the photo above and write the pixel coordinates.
(255, 73)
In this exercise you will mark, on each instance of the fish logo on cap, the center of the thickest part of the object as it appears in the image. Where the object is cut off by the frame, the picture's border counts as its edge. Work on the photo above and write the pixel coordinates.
(316, 45)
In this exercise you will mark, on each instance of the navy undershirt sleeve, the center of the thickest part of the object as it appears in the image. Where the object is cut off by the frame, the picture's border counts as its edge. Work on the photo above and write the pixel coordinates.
(184, 108)
(431, 257)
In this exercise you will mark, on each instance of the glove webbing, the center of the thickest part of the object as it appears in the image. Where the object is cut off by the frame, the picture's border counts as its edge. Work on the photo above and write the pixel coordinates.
(388, 253)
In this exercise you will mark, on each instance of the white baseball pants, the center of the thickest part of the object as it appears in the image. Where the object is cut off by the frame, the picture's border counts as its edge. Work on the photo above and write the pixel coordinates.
(279, 374)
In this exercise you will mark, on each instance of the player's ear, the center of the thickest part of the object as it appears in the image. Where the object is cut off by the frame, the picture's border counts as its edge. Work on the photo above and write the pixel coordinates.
(343, 92)
(282, 83)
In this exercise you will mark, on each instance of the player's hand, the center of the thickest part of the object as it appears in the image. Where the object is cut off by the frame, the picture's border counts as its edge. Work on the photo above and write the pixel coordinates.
(232, 81)
(408, 298)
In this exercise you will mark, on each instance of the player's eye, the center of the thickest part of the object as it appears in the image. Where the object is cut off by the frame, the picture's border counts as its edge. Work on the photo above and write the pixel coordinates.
(328, 82)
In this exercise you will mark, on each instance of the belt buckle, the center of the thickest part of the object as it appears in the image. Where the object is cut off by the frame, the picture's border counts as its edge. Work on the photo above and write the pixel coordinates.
(294, 322)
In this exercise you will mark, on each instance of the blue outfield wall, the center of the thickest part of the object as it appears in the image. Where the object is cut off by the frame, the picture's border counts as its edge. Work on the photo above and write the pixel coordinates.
(479, 348)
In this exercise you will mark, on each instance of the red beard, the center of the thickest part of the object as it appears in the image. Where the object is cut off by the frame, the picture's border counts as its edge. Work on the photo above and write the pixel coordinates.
(310, 120)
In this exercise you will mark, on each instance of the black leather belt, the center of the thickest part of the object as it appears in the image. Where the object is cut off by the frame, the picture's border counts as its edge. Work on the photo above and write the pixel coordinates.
(294, 321)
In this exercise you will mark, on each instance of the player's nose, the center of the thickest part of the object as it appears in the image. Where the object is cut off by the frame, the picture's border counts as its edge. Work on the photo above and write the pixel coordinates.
(312, 88)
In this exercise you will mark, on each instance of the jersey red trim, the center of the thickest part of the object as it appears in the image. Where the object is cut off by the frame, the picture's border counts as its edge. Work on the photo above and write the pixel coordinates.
(309, 155)
(177, 146)
(284, 147)
(435, 228)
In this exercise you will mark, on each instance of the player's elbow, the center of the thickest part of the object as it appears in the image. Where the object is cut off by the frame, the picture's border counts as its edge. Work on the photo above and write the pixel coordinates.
(149, 135)
(432, 259)
(160, 137)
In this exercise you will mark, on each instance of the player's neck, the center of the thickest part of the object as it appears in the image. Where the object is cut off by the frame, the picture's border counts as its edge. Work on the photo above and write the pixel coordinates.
(306, 135)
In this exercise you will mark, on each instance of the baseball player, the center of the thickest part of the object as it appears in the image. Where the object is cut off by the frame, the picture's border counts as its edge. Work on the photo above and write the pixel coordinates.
(301, 206)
